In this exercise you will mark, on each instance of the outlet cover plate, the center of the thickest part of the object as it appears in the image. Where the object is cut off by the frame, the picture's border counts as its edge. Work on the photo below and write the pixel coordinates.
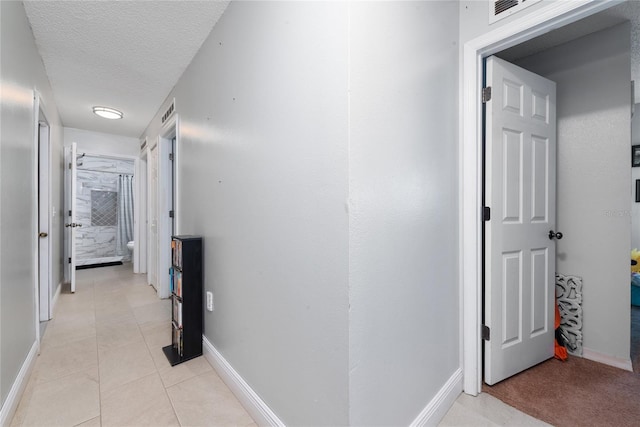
(209, 301)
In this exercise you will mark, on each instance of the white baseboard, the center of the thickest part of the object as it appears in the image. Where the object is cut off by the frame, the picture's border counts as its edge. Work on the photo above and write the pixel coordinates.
(15, 394)
(257, 408)
(438, 407)
(607, 359)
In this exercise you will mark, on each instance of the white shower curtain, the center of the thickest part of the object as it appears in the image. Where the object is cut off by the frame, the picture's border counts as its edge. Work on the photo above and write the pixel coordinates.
(125, 215)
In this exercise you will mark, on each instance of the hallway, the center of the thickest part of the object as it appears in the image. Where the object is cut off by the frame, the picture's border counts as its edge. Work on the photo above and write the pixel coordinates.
(101, 363)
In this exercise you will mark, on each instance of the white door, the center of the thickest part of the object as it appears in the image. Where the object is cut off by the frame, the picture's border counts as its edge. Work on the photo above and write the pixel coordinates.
(520, 172)
(44, 282)
(152, 255)
(70, 215)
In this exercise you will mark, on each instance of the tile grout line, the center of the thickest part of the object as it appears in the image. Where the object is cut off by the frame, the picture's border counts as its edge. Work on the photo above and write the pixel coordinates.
(159, 375)
(95, 318)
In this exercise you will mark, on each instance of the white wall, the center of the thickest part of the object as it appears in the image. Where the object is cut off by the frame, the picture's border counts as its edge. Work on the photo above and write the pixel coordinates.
(317, 157)
(22, 71)
(263, 178)
(403, 235)
(102, 143)
(593, 76)
(635, 174)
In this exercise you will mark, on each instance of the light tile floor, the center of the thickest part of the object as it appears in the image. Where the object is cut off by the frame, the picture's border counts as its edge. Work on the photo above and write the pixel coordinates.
(485, 410)
(101, 363)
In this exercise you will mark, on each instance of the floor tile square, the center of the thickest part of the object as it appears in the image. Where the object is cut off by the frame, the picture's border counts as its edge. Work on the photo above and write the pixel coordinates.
(206, 401)
(124, 364)
(172, 375)
(142, 402)
(66, 401)
(59, 361)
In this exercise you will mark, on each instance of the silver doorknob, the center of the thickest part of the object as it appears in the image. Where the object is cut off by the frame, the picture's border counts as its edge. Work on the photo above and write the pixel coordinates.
(553, 235)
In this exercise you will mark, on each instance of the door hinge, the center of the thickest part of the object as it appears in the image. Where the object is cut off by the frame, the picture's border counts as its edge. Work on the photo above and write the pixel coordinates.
(486, 333)
(486, 213)
(69, 260)
(170, 214)
(69, 165)
(171, 156)
(486, 94)
(69, 212)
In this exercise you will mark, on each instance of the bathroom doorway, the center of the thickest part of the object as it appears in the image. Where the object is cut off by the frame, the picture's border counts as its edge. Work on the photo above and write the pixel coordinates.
(105, 203)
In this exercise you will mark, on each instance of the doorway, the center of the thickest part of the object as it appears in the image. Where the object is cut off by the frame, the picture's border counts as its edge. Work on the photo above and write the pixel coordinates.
(141, 220)
(555, 15)
(45, 275)
(152, 244)
(165, 200)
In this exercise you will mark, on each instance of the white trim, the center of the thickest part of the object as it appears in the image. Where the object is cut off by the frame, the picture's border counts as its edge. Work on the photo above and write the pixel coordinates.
(607, 359)
(17, 389)
(438, 407)
(257, 408)
(42, 128)
(140, 247)
(35, 213)
(553, 15)
(169, 131)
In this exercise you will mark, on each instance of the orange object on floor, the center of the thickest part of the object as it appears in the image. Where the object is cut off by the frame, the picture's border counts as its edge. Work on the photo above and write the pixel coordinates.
(560, 352)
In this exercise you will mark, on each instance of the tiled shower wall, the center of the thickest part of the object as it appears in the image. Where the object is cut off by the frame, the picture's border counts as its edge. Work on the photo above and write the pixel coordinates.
(96, 209)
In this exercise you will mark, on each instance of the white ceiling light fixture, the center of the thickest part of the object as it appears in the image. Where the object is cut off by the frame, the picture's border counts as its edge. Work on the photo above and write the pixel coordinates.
(108, 113)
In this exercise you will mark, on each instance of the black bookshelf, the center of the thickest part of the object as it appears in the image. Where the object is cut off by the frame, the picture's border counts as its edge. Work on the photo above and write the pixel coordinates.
(186, 299)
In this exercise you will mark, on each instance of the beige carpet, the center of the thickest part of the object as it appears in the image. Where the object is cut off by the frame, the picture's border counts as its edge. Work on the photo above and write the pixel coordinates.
(578, 392)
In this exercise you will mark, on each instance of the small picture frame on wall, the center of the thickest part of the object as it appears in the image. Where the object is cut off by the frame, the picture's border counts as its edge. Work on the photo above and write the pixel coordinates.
(635, 156)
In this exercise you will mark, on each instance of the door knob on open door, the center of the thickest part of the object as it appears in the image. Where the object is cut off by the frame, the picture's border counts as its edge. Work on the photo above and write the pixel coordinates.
(557, 235)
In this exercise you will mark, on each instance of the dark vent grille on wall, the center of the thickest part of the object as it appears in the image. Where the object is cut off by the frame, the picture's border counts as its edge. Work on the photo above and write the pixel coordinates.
(169, 111)
(503, 8)
(502, 5)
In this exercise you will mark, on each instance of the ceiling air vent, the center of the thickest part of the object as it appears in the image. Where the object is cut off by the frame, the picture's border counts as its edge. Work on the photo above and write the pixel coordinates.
(503, 8)
(170, 111)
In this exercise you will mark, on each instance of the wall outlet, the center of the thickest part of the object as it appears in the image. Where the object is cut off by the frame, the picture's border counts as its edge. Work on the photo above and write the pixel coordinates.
(209, 301)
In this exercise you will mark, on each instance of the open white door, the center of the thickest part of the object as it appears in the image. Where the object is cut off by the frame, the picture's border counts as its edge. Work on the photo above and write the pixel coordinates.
(520, 171)
(70, 214)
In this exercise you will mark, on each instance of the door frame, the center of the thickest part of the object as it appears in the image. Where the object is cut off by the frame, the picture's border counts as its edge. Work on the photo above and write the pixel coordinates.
(136, 193)
(554, 15)
(170, 130)
(141, 220)
(151, 210)
(39, 116)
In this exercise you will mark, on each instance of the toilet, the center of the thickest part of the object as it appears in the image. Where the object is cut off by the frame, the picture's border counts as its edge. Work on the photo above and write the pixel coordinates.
(130, 246)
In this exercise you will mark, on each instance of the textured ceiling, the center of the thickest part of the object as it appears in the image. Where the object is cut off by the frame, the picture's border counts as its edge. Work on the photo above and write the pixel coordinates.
(627, 11)
(122, 54)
